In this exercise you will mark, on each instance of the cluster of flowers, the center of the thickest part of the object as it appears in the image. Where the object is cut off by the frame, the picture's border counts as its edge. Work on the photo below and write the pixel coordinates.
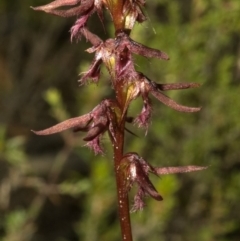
(117, 55)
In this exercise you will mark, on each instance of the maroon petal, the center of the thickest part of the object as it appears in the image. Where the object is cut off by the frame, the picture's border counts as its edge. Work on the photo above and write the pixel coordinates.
(143, 119)
(124, 63)
(147, 168)
(56, 4)
(139, 203)
(77, 122)
(92, 38)
(138, 172)
(177, 86)
(86, 6)
(171, 103)
(145, 51)
(77, 27)
(95, 146)
(93, 72)
(172, 170)
(96, 130)
(135, 170)
(65, 13)
(145, 183)
(123, 40)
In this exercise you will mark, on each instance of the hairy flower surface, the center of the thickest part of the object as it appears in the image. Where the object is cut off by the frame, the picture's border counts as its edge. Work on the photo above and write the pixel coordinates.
(124, 41)
(136, 170)
(142, 86)
(95, 123)
(83, 9)
(75, 7)
(117, 54)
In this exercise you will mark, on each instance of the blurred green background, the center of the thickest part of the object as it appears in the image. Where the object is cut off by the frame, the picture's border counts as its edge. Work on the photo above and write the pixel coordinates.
(53, 188)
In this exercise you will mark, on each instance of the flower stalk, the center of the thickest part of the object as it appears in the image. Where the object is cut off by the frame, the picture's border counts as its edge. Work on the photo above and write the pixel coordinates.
(111, 115)
(122, 195)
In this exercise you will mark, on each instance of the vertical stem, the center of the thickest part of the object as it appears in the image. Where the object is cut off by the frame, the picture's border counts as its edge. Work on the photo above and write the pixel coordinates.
(116, 7)
(123, 204)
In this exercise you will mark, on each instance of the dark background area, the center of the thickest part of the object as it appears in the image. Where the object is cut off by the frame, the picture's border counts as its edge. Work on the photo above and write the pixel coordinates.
(54, 188)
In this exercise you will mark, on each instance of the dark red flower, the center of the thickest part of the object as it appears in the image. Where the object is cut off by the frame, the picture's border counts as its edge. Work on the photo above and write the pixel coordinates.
(83, 9)
(136, 170)
(104, 52)
(142, 86)
(124, 41)
(75, 7)
(95, 123)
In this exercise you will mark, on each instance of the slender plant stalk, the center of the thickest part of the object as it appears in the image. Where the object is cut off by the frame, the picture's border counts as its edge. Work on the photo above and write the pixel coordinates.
(111, 114)
(122, 196)
(123, 203)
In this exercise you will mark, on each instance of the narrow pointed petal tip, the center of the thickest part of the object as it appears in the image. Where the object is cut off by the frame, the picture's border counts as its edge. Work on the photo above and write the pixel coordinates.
(135, 170)
(172, 104)
(137, 48)
(181, 169)
(77, 122)
(177, 86)
(56, 4)
(34, 8)
(75, 10)
(95, 146)
(41, 8)
(145, 51)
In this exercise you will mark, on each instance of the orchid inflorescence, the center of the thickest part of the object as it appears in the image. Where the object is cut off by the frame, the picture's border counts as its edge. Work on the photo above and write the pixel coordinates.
(136, 170)
(111, 114)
